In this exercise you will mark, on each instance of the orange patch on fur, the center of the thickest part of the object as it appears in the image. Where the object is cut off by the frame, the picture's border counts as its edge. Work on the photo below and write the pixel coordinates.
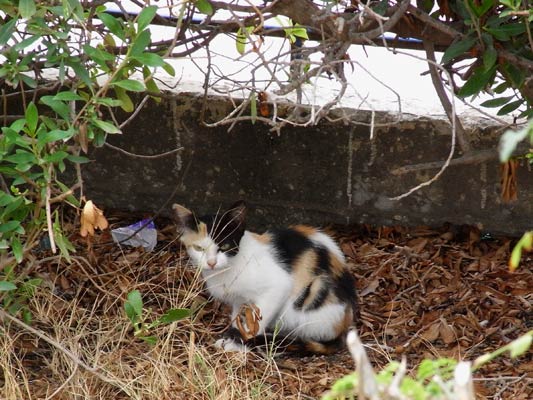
(305, 229)
(264, 238)
(189, 237)
(302, 270)
(336, 265)
(346, 323)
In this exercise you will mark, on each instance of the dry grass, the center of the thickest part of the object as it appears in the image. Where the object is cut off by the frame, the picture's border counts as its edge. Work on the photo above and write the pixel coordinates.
(94, 355)
(82, 344)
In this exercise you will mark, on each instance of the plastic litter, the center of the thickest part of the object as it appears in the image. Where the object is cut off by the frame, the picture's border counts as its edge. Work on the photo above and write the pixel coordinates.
(146, 237)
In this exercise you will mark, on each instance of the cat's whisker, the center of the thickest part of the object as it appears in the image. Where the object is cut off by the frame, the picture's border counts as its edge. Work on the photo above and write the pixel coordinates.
(215, 227)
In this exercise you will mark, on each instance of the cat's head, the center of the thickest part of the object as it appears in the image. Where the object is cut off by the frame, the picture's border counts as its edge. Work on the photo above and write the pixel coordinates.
(211, 240)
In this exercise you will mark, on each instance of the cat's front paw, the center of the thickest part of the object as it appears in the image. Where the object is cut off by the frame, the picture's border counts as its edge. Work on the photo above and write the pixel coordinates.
(228, 344)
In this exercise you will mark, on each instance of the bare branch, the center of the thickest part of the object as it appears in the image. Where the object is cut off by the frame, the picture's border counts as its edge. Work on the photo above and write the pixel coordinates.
(443, 97)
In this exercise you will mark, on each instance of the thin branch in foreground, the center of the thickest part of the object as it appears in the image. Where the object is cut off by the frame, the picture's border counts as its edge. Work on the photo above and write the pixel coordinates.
(60, 347)
(475, 157)
(441, 93)
(49, 211)
(145, 156)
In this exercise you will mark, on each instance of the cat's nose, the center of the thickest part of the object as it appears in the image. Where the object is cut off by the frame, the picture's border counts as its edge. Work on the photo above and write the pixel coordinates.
(211, 263)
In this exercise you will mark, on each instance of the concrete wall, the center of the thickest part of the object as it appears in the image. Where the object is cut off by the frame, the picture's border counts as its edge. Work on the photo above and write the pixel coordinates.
(332, 172)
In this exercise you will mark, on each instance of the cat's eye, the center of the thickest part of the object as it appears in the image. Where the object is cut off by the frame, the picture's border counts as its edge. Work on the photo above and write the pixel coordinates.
(197, 247)
(225, 247)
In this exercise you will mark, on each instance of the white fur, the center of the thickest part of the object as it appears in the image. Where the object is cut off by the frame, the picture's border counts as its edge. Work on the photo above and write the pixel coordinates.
(254, 276)
(231, 345)
(329, 243)
(208, 255)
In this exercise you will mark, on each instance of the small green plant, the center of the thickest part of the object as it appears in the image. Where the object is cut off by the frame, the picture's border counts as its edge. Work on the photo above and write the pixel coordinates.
(134, 311)
(427, 383)
(434, 379)
(15, 293)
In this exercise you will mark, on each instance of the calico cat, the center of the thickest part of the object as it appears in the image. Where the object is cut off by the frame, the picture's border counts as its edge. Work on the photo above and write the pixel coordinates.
(295, 276)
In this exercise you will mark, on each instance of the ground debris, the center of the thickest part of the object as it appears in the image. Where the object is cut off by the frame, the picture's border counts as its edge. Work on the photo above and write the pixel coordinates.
(423, 292)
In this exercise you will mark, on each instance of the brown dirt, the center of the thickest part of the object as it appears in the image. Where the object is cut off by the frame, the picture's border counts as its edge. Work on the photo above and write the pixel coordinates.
(424, 293)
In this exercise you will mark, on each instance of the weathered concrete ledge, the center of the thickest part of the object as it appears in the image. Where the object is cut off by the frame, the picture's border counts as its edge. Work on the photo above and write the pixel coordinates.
(332, 172)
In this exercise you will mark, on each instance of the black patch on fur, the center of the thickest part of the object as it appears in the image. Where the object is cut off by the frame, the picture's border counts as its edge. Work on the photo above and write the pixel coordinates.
(225, 231)
(323, 260)
(299, 302)
(344, 289)
(289, 245)
(185, 222)
(320, 297)
(233, 334)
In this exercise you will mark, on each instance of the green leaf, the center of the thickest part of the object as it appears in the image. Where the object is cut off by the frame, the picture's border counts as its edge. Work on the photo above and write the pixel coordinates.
(107, 101)
(476, 82)
(457, 49)
(174, 314)
(104, 59)
(509, 140)
(152, 340)
(481, 9)
(521, 345)
(6, 286)
(126, 103)
(497, 102)
(169, 69)
(80, 70)
(129, 84)
(145, 17)
(204, 7)
(490, 57)
(135, 305)
(151, 86)
(9, 226)
(515, 75)
(507, 32)
(70, 198)
(21, 157)
(26, 42)
(16, 246)
(78, 159)
(67, 96)
(65, 246)
(510, 107)
(240, 42)
(27, 8)
(107, 127)
(113, 24)
(502, 87)
(61, 108)
(54, 136)
(32, 117)
(6, 31)
(140, 43)
(150, 59)
(298, 31)
(56, 157)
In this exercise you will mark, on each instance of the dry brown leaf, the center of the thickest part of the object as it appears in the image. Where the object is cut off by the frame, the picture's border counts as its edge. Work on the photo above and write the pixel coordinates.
(508, 181)
(92, 218)
(370, 288)
(82, 138)
(432, 333)
(417, 244)
(447, 333)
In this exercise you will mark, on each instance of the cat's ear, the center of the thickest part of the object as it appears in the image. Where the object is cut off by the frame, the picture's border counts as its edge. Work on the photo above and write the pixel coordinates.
(238, 211)
(184, 218)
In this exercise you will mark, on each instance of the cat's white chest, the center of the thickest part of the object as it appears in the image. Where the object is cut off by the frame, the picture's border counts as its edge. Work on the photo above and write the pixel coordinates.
(252, 272)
